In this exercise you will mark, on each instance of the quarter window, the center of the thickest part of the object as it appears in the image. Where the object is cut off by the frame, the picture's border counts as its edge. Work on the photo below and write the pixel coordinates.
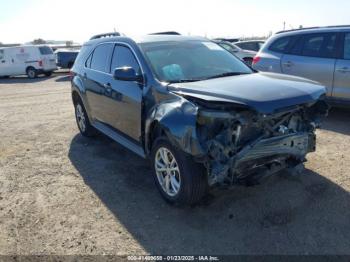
(347, 46)
(88, 61)
(100, 57)
(280, 45)
(123, 56)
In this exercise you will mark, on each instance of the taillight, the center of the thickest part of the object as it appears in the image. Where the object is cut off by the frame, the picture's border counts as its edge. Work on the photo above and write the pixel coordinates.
(40, 62)
(256, 59)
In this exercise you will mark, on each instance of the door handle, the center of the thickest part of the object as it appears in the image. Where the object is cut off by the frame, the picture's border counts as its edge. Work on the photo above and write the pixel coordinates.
(288, 64)
(344, 69)
(3, 61)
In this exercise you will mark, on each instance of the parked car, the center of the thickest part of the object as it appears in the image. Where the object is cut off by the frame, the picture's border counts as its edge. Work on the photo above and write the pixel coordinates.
(31, 60)
(66, 58)
(245, 55)
(231, 40)
(320, 54)
(201, 115)
(252, 45)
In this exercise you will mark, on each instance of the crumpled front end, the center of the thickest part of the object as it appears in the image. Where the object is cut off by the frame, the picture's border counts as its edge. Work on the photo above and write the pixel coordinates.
(240, 143)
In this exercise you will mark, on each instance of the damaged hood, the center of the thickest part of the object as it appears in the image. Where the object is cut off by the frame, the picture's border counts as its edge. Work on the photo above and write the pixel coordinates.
(264, 92)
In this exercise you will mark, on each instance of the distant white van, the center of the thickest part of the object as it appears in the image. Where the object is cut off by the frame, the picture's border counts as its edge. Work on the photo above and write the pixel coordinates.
(30, 60)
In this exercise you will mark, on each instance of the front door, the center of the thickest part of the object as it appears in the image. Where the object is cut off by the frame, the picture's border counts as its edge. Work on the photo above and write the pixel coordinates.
(124, 97)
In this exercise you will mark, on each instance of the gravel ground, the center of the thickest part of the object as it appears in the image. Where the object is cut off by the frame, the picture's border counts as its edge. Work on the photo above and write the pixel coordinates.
(61, 193)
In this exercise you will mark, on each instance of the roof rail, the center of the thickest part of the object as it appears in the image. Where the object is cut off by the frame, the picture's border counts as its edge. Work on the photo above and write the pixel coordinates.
(166, 33)
(315, 27)
(105, 35)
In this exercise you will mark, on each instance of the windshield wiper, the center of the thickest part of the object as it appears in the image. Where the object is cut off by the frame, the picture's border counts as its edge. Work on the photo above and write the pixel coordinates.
(227, 74)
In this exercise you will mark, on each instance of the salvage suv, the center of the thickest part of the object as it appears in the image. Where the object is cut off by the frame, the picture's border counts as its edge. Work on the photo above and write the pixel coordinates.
(202, 116)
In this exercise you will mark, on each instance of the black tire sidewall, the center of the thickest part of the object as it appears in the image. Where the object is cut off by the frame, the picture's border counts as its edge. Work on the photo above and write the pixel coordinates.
(33, 70)
(187, 172)
(89, 130)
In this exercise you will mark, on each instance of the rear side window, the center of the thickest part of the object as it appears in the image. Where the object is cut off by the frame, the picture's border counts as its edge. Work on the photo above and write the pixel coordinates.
(123, 56)
(280, 45)
(45, 50)
(249, 46)
(319, 45)
(346, 46)
(100, 57)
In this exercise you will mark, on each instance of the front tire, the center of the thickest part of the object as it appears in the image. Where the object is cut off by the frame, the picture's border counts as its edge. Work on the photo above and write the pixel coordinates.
(179, 179)
(82, 119)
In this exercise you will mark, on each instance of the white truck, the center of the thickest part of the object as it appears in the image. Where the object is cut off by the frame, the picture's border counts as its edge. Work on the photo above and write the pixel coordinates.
(30, 60)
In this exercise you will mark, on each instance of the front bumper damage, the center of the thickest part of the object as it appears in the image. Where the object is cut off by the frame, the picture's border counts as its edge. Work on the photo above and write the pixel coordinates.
(265, 155)
(241, 145)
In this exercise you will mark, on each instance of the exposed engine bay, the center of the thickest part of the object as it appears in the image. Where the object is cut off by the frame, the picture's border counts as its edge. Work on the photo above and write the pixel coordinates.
(241, 143)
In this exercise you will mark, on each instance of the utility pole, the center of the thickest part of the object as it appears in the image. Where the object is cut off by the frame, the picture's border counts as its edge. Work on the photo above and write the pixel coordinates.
(284, 26)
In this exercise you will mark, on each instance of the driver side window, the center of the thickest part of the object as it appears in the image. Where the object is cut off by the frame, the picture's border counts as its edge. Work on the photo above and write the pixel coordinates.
(123, 56)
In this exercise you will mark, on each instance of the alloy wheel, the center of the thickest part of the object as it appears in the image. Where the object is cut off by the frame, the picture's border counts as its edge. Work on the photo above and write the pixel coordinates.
(80, 117)
(168, 172)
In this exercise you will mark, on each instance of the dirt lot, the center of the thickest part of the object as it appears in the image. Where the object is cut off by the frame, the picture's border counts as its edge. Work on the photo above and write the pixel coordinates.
(61, 193)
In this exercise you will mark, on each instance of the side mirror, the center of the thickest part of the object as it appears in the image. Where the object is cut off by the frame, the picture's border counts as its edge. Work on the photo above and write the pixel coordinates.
(126, 74)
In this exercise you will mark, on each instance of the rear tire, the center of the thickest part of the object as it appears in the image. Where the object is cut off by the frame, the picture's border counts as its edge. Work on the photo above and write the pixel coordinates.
(180, 180)
(31, 72)
(82, 119)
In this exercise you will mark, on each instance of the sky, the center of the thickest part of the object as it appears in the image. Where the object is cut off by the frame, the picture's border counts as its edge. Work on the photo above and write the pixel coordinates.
(24, 20)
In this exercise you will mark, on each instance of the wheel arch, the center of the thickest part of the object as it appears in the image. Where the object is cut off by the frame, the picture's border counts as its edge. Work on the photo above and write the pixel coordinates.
(30, 67)
(177, 121)
(78, 93)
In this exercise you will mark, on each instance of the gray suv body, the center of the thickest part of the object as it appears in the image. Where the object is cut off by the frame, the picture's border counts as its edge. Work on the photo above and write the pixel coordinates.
(320, 54)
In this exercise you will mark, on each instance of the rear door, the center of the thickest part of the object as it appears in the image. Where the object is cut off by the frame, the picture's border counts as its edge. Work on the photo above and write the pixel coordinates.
(48, 58)
(341, 86)
(312, 56)
(95, 77)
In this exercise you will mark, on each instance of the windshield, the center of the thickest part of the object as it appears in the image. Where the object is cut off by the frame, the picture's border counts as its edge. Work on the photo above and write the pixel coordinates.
(191, 61)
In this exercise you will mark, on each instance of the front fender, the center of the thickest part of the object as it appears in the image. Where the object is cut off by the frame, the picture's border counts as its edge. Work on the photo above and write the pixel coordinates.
(177, 118)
